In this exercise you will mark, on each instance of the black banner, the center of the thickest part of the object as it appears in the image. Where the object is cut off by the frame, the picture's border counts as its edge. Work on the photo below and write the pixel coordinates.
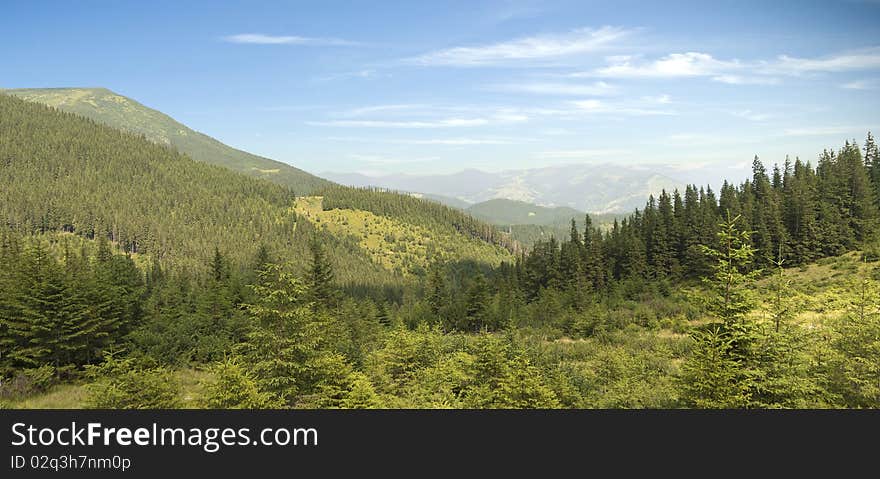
(459, 443)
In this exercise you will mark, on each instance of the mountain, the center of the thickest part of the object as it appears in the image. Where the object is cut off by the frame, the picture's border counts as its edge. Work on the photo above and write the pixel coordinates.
(65, 173)
(509, 212)
(62, 172)
(595, 188)
(117, 111)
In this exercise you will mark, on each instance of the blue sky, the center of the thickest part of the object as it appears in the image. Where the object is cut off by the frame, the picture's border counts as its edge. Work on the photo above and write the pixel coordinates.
(427, 87)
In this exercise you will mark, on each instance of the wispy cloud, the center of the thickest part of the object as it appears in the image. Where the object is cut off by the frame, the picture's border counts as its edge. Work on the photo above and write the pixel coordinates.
(751, 115)
(870, 84)
(366, 73)
(386, 160)
(460, 141)
(263, 39)
(659, 99)
(733, 71)
(599, 88)
(864, 59)
(688, 64)
(442, 123)
(580, 154)
(820, 131)
(598, 106)
(538, 47)
(746, 80)
(390, 108)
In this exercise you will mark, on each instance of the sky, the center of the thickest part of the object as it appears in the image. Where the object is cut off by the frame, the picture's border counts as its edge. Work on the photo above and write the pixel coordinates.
(437, 87)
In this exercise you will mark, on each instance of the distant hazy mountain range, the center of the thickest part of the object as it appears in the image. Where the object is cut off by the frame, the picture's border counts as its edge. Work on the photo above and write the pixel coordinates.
(595, 188)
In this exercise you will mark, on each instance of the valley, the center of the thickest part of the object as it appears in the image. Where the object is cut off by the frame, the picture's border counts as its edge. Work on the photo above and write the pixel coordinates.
(139, 277)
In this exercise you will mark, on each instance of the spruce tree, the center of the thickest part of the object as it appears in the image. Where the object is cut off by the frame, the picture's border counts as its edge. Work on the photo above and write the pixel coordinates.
(321, 287)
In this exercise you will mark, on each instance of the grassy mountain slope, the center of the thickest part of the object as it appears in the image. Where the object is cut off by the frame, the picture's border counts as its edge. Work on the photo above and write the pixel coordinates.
(399, 246)
(509, 212)
(63, 172)
(109, 108)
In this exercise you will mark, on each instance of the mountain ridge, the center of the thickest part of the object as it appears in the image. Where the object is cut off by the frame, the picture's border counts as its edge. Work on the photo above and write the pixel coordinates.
(594, 188)
(118, 111)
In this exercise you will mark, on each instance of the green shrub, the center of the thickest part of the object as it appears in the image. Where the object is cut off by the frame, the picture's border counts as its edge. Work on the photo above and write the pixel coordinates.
(27, 382)
(233, 388)
(123, 384)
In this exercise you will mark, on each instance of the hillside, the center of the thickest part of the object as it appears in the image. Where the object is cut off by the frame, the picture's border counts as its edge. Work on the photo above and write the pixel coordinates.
(405, 248)
(180, 210)
(510, 212)
(117, 111)
(62, 172)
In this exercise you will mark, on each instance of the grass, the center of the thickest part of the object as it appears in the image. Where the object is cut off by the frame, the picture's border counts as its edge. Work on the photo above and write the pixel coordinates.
(61, 396)
(820, 289)
(395, 245)
(74, 395)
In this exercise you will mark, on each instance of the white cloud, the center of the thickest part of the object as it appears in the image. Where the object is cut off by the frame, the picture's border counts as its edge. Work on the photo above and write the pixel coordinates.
(385, 160)
(262, 39)
(442, 123)
(751, 115)
(861, 85)
(597, 106)
(659, 99)
(369, 110)
(460, 141)
(537, 47)
(820, 131)
(734, 71)
(743, 80)
(598, 88)
(579, 154)
(864, 59)
(556, 132)
(688, 64)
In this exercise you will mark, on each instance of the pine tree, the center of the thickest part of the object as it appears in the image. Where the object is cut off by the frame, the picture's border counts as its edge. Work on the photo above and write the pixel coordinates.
(436, 294)
(286, 338)
(722, 369)
(322, 290)
(571, 260)
(476, 304)
(872, 164)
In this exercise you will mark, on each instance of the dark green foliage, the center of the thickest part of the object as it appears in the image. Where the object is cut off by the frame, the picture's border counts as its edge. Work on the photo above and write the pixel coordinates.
(106, 107)
(322, 291)
(63, 311)
(62, 172)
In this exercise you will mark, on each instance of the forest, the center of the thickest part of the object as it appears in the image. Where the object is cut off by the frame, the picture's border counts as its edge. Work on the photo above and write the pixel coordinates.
(135, 277)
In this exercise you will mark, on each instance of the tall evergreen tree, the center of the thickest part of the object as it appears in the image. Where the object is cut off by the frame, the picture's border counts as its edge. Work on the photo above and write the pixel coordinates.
(322, 289)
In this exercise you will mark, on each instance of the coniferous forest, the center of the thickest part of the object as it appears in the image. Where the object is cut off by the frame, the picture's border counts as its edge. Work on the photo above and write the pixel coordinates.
(132, 276)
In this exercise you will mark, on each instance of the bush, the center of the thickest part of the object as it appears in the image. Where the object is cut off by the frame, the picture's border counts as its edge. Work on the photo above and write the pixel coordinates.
(234, 388)
(122, 384)
(27, 382)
